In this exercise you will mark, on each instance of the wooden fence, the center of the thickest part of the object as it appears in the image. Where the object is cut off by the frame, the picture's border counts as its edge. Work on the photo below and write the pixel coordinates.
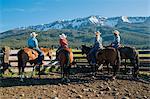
(80, 59)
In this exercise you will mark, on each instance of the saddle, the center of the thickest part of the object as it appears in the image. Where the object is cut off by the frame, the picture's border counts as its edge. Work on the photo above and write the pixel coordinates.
(32, 54)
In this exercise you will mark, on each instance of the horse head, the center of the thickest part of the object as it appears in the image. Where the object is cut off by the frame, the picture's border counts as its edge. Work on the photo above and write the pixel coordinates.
(85, 49)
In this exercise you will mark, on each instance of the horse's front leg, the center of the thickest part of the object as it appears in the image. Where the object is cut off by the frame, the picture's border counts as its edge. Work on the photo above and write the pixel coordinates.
(108, 64)
(114, 72)
(33, 71)
(39, 71)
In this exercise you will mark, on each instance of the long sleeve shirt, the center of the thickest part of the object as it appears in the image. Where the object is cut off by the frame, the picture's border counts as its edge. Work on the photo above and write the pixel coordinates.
(98, 43)
(33, 42)
(116, 41)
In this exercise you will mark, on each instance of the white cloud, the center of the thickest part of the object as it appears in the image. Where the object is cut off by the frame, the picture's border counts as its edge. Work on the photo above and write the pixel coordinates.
(33, 9)
(14, 10)
(37, 9)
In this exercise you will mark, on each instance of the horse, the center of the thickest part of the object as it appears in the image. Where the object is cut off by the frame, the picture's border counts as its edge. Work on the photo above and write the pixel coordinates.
(85, 50)
(130, 53)
(29, 55)
(65, 58)
(4, 60)
(109, 56)
(103, 56)
(127, 52)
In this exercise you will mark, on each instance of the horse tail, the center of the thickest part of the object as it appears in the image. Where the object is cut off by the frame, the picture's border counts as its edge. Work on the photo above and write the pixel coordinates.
(67, 54)
(22, 59)
(19, 55)
(118, 57)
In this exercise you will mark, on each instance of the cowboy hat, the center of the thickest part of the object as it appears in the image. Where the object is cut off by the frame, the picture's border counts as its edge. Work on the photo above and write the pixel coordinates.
(33, 34)
(116, 32)
(97, 33)
(62, 36)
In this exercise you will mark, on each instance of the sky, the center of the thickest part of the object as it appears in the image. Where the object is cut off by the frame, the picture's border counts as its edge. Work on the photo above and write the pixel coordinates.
(20, 13)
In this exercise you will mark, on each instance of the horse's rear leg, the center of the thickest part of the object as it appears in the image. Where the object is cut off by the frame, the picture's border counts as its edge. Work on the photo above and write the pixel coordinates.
(135, 69)
(115, 70)
(21, 70)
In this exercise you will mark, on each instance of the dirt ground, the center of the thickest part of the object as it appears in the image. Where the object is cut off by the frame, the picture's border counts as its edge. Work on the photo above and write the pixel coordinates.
(83, 86)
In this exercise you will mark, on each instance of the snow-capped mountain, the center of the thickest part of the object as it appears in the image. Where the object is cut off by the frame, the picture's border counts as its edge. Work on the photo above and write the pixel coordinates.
(87, 21)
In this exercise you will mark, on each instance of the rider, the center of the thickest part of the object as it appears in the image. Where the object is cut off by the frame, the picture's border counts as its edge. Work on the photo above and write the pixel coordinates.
(63, 43)
(97, 45)
(33, 44)
(116, 42)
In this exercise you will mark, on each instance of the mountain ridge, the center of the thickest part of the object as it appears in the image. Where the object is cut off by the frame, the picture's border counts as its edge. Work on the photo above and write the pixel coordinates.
(134, 31)
(90, 20)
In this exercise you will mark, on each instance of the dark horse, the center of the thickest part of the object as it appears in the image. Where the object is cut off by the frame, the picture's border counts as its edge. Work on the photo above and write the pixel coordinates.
(108, 56)
(65, 57)
(85, 50)
(132, 54)
(29, 55)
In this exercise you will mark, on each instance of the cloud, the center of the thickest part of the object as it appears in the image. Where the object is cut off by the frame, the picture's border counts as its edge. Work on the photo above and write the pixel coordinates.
(37, 9)
(33, 9)
(14, 10)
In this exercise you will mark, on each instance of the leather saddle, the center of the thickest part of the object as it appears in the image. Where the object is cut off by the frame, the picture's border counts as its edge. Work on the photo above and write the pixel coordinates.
(32, 54)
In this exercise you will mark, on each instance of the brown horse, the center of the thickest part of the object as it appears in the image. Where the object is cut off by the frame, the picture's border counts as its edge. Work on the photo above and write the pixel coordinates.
(109, 56)
(65, 58)
(29, 55)
(103, 56)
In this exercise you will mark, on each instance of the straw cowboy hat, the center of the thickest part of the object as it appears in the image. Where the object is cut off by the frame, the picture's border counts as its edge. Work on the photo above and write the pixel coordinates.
(33, 34)
(116, 32)
(97, 33)
(62, 36)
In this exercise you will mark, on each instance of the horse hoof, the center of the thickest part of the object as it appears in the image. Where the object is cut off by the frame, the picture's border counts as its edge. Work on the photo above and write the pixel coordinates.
(63, 79)
(21, 80)
(68, 80)
(113, 78)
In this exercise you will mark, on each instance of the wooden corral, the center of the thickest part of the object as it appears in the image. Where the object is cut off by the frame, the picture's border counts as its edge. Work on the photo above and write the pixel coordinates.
(80, 59)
